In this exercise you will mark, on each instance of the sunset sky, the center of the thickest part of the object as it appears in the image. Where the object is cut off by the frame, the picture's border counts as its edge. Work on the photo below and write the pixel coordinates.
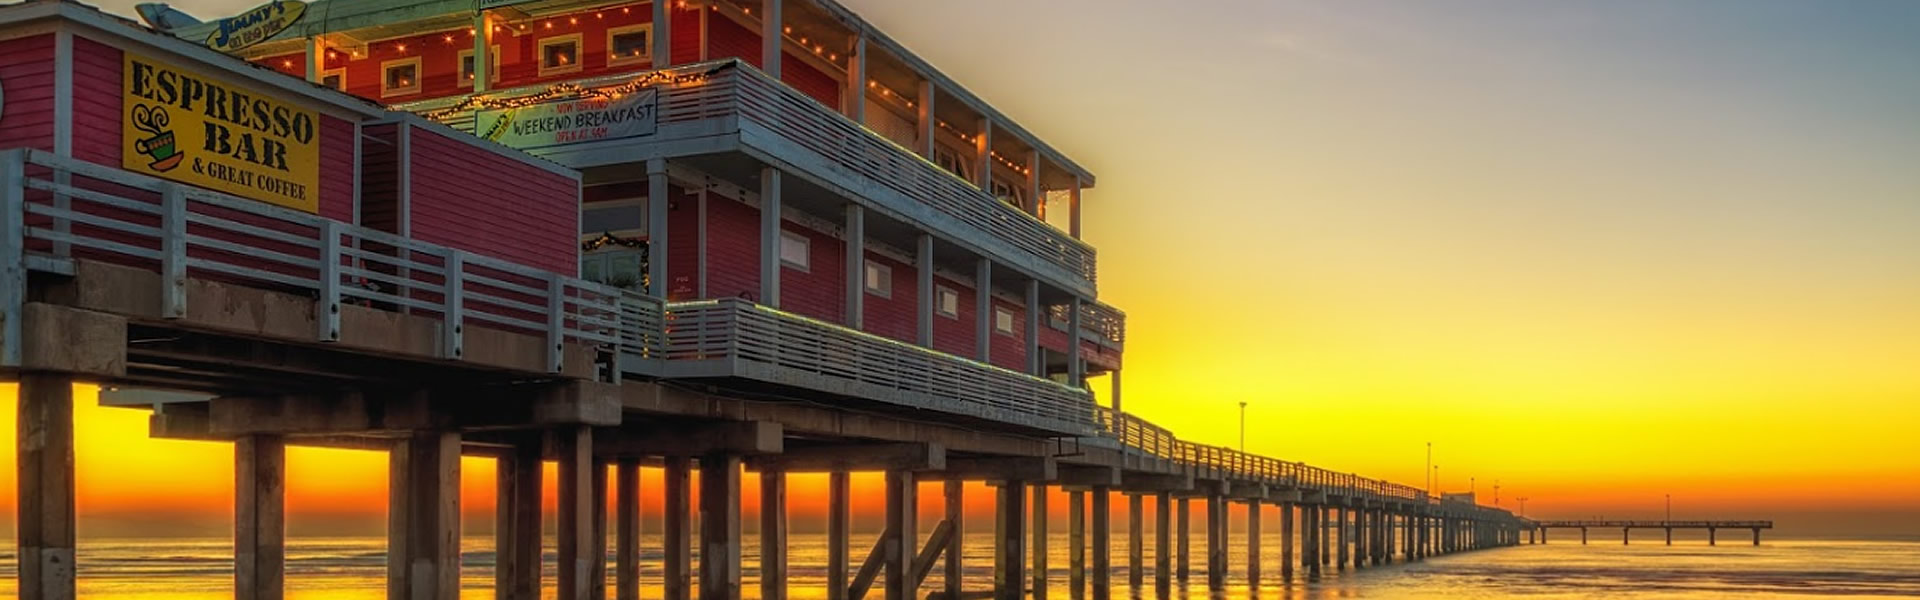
(1596, 251)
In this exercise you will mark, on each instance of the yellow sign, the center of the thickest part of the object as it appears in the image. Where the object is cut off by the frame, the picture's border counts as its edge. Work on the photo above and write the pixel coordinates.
(192, 129)
(255, 25)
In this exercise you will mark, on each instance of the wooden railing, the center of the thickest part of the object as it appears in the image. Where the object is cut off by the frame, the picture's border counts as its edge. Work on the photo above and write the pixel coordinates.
(54, 208)
(729, 88)
(802, 352)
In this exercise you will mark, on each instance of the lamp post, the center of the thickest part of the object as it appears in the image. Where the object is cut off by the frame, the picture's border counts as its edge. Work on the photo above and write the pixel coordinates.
(1429, 468)
(1243, 426)
(1523, 506)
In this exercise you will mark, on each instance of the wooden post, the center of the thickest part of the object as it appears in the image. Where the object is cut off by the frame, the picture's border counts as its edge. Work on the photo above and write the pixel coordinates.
(44, 441)
(1039, 527)
(773, 535)
(772, 40)
(1162, 539)
(839, 528)
(1102, 544)
(1325, 521)
(676, 525)
(424, 536)
(1136, 543)
(1076, 543)
(1216, 542)
(956, 514)
(719, 527)
(1342, 540)
(662, 35)
(1009, 532)
(576, 553)
(597, 562)
(517, 523)
(1182, 539)
(902, 504)
(1286, 541)
(626, 542)
(770, 219)
(1253, 544)
(259, 511)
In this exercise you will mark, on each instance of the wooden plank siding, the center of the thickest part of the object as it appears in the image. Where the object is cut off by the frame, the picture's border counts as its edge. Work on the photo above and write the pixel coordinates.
(733, 40)
(474, 199)
(26, 69)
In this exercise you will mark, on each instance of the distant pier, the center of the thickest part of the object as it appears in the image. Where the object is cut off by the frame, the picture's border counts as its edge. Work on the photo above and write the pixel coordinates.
(1626, 528)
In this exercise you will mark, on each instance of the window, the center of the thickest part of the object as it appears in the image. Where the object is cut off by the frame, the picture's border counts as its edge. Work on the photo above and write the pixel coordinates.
(794, 250)
(466, 66)
(1003, 321)
(950, 160)
(879, 279)
(630, 45)
(1007, 193)
(400, 76)
(336, 79)
(560, 54)
(948, 302)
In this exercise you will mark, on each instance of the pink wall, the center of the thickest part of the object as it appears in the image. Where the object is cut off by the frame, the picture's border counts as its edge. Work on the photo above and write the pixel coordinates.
(475, 199)
(26, 69)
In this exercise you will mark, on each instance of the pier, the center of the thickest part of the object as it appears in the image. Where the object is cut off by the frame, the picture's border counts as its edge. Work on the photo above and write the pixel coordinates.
(1626, 528)
(738, 316)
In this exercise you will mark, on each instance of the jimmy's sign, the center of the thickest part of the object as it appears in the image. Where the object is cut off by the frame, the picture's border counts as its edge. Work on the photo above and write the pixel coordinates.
(255, 25)
(188, 128)
(571, 121)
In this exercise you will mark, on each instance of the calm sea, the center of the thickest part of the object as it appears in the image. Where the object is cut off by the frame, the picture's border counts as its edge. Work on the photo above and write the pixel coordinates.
(353, 569)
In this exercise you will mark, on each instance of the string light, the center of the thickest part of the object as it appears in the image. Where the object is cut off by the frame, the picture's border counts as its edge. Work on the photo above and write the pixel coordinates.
(1017, 167)
(573, 90)
(400, 47)
(888, 93)
(964, 136)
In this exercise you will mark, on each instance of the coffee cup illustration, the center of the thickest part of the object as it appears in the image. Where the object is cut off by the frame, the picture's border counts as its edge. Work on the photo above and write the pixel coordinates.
(160, 145)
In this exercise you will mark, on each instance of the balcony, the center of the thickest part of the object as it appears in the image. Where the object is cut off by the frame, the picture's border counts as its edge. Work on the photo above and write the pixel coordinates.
(728, 106)
(803, 358)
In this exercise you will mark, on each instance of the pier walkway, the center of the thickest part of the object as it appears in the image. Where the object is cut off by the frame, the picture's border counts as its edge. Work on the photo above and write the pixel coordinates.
(1626, 528)
(255, 321)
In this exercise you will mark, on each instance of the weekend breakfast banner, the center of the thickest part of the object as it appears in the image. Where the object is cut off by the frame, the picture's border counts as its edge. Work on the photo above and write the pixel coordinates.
(191, 129)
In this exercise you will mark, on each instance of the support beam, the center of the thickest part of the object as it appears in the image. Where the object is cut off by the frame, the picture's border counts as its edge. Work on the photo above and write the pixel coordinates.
(1009, 540)
(516, 534)
(924, 271)
(956, 513)
(1038, 550)
(904, 456)
(677, 527)
(773, 534)
(856, 263)
(1036, 356)
(424, 532)
(597, 569)
(770, 207)
(926, 119)
(983, 155)
(1073, 207)
(1253, 544)
(1344, 539)
(1008, 468)
(576, 553)
(1076, 363)
(626, 538)
(772, 38)
(1183, 555)
(1286, 541)
(839, 529)
(259, 511)
(719, 526)
(856, 93)
(658, 202)
(983, 309)
(1076, 543)
(902, 535)
(1162, 540)
(1102, 544)
(1216, 542)
(44, 438)
(1136, 542)
(661, 36)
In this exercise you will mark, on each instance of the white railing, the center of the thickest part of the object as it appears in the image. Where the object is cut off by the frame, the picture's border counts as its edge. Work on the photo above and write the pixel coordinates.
(734, 89)
(60, 208)
(814, 354)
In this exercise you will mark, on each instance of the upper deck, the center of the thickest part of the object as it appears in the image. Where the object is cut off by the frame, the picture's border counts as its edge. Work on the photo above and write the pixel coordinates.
(844, 105)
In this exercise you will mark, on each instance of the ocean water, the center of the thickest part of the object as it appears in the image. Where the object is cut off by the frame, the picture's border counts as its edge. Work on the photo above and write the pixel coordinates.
(354, 569)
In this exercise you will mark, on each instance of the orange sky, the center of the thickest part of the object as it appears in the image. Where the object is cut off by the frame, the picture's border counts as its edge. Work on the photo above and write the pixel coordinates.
(1597, 252)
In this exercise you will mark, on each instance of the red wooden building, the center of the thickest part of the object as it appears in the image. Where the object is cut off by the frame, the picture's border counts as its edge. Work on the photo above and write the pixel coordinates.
(910, 209)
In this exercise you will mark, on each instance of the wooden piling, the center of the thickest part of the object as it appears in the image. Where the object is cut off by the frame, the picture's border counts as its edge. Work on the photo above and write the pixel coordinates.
(1102, 543)
(1182, 541)
(626, 538)
(901, 535)
(44, 442)
(719, 526)
(1216, 542)
(955, 568)
(424, 522)
(259, 511)
(516, 533)
(1253, 544)
(1076, 543)
(773, 535)
(1162, 538)
(576, 553)
(1009, 533)
(1039, 545)
(597, 562)
(1286, 541)
(677, 528)
(1136, 543)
